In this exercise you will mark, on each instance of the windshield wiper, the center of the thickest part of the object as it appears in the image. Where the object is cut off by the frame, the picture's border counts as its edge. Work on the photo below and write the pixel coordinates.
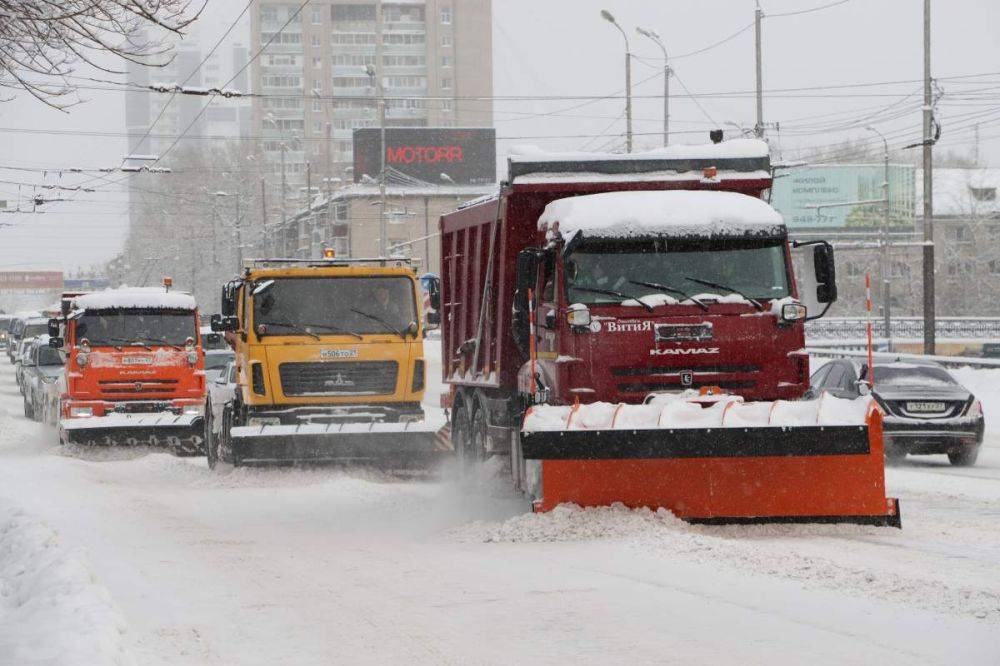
(718, 285)
(618, 294)
(329, 327)
(288, 324)
(663, 287)
(158, 340)
(337, 329)
(381, 321)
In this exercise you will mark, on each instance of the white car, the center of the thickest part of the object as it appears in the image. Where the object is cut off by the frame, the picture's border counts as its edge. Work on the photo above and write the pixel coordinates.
(221, 390)
(21, 357)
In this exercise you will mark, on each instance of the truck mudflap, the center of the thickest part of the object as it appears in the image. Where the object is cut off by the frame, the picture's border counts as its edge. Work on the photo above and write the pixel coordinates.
(409, 445)
(716, 461)
(183, 434)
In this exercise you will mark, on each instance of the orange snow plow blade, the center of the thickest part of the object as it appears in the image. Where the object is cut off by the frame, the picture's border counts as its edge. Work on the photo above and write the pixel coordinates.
(823, 473)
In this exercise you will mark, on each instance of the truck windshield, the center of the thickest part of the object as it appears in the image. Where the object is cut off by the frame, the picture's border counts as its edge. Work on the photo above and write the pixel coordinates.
(334, 306)
(753, 267)
(143, 327)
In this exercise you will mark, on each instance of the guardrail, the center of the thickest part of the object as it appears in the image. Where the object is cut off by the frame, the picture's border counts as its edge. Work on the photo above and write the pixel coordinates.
(848, 328)
(949, 361)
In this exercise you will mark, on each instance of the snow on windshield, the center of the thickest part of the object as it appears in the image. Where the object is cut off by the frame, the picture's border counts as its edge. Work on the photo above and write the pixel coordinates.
(912, 375)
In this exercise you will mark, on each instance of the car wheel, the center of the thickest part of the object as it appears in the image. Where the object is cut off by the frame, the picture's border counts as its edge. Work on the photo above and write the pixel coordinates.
(964, 458)
(28, 411)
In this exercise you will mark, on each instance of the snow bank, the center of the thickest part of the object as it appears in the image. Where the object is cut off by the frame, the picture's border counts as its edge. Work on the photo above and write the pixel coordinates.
(135, 297)
(985, 385)
(569, 522)
(662, 213)
(52, 610)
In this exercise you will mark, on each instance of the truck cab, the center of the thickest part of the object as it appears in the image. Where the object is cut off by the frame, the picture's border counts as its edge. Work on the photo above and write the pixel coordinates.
(134, 369)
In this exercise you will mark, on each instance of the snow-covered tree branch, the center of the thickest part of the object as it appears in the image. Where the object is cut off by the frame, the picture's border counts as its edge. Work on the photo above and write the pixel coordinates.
(42, 42)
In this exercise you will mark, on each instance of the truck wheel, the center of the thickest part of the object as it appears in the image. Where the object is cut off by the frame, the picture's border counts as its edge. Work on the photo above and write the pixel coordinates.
(461, 429)
(477, 439)
(964, 458)
(223, 449)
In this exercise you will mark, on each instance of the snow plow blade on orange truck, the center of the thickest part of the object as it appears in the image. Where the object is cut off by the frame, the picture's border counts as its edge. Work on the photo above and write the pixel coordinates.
(630, 329)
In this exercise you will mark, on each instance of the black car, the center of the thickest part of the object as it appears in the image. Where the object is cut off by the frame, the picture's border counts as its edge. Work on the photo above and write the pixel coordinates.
(926, 410)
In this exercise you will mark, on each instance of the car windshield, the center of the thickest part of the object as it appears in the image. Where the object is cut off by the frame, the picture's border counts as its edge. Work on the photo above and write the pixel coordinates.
(895, 375)
(49, 356)
(334, 306)
(753, 267)
(152, 327)
(217, 361)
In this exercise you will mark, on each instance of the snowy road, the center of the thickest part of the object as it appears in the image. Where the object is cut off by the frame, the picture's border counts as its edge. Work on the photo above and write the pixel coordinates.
(319, 567)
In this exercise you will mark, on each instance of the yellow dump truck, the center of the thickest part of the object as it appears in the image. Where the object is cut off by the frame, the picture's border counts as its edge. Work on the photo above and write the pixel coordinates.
(330, 366)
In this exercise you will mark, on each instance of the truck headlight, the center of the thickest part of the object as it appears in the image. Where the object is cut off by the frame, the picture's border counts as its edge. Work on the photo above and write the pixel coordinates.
(80, 412)
(192, 357)
(81, 359)
(410, 418)
(193, 410)
(578, 317)
(793, 311)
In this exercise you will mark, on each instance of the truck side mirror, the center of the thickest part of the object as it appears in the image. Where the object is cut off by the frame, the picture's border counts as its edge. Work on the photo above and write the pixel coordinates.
(525, 277)
(56, 342)
(434, 292)
(53, 328)
(229, 291)
(826, 273)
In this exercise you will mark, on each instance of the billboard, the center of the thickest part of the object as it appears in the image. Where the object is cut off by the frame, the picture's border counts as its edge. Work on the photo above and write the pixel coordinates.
(803, 196)
(466, 156)
(30, 280)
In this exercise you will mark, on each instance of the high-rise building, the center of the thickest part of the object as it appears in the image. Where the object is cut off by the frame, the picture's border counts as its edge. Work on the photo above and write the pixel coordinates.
(432, 60)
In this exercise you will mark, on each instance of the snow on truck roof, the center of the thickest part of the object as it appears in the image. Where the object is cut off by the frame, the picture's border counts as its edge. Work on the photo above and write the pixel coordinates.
(663, 213)
(135, 298)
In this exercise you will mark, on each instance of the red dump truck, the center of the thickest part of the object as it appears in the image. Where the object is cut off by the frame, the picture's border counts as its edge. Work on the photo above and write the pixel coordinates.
(134, 371)
(629, 329)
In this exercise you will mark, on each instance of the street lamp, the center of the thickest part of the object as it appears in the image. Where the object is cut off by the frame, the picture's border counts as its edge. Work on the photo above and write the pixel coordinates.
(609, 17)
(884, 245)
(655, 36)
(383, 231)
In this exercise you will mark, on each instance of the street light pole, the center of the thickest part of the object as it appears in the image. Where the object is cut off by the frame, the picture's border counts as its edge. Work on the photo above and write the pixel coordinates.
(653, 35)
(383, 231)
(884, 245)
(929, 301)
(757, 16)
(607, 16)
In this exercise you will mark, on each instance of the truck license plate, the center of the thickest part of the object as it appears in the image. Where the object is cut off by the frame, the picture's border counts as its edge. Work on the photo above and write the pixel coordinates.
(925, 406)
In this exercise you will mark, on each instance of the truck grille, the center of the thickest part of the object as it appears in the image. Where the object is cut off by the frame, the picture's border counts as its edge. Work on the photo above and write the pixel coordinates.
(119, 388)
(339, 378)
(647, 379)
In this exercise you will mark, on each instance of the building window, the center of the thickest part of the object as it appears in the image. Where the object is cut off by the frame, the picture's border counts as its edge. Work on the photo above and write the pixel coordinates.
(959, 233)
(317, 105)
(959, 268)
(446, 40)
(402, 14)
(446, 61)
(404, 60)
(317, 127)
(353, 60)
(446, 83)
(447, 105)
(407, 38)
(353, 12)
(314, 40)
(268, 14)
(281, 81)
(446, 16)
(317, 63)
(984, 193)
(353, 38)
(317, 15)
(281, 38)
(351, 82)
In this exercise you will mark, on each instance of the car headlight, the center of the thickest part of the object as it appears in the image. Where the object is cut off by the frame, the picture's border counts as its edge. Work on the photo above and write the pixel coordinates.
(975, 409)
(193, 410)
(80, 412)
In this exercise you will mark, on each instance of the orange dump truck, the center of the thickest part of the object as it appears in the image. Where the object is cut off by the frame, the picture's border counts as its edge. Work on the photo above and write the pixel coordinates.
(134, 370)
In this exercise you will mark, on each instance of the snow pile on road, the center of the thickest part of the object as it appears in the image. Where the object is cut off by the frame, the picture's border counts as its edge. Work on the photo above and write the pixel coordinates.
(569, 522)
(985, 385)
(662, 213)
(135, 297)
(52, 611)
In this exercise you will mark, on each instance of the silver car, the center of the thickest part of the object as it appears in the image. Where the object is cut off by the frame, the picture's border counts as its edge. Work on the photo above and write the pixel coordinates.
(221, 390)
(41, 370)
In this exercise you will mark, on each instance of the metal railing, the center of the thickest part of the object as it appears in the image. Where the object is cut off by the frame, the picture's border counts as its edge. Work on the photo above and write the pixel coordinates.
(853, 328)
(948, 361)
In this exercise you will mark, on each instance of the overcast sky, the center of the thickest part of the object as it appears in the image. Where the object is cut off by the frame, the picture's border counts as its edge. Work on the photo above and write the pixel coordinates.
(556, 48)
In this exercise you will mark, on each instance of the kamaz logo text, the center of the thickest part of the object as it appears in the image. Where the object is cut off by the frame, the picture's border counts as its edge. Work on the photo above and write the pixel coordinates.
(684, 352)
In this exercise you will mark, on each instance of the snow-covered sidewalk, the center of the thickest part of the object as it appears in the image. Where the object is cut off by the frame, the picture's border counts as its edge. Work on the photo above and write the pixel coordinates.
(53, 610)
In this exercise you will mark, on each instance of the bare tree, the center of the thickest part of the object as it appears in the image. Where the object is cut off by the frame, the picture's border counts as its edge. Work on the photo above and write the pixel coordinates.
(43, 41)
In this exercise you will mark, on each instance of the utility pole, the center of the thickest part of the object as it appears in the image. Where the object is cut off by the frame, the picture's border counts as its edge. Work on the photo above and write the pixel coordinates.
(263, 211)
(759, 128)
(329, 182)
(653, 35)
(306, 223)
(929, 314)
(239, 233)
(607, 16)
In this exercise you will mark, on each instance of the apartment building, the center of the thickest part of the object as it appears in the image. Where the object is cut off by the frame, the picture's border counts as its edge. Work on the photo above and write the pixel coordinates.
(429, 57)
